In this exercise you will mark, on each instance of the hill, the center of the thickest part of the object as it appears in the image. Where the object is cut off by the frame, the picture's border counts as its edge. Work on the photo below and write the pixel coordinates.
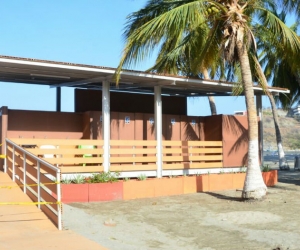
(289, 127)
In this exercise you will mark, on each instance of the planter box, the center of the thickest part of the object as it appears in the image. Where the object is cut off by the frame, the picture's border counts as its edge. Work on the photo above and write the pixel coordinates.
(74, 193)
(105, 191)
(168, 186)
(135, 189)
(189, 184)
(270, 178)
(90, 192)
(238, 180)
(219, 182)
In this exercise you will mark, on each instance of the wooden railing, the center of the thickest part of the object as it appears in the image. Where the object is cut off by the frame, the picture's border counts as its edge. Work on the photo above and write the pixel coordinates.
(86, 156)
(37, 178)
(69, 155)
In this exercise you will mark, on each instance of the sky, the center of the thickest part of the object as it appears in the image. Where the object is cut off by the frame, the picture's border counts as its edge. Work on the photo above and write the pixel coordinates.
(76, 31)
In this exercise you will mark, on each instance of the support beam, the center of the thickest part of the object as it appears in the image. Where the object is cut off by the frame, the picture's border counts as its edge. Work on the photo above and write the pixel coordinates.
(58, 99)
(106, 124)
(261, 127)
(158, 128)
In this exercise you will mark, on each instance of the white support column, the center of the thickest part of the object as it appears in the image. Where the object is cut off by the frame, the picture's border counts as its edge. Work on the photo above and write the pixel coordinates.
(261, 127)
(158, 128)
(106, 124)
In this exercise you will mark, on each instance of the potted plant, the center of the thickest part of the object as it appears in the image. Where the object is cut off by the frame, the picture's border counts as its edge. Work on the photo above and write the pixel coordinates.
(270, 176)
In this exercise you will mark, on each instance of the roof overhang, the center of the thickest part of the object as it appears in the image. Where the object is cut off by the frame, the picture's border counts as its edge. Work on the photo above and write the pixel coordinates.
(60, 74)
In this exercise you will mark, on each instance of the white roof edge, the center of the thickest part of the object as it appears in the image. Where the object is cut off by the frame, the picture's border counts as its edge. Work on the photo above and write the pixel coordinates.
(133, 73)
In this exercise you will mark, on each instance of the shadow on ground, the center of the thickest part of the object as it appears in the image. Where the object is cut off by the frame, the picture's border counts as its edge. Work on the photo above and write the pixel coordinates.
(224, 197)
(289, 177)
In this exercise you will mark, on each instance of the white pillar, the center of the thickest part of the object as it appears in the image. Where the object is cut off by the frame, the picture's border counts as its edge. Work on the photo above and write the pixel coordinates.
(158, 128)
(261, 127)
(106, 124)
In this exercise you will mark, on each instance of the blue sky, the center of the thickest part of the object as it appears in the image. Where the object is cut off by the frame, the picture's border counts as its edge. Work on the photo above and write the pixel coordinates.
(78, 31)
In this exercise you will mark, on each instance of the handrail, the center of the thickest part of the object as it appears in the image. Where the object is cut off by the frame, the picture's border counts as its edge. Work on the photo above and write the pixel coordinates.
(34, 156)
(54, 214)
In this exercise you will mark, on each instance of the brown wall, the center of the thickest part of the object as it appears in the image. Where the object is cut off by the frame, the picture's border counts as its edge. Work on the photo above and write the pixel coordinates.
(41, 124)
(140, 128)
(213, 128)
(233, 131)
(91, 100)
(37, 124)
(235, 140)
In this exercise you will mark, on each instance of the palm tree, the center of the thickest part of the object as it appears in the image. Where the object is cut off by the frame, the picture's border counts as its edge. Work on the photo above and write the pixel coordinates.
(222, 28)
(281, 72)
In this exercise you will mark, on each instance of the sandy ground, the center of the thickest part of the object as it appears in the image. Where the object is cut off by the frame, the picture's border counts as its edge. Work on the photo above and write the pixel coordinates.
(195, 221)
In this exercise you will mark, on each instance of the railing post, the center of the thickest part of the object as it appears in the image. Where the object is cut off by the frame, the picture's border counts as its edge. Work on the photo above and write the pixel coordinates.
(24, 172)
(38, 184)
(59, 217)
(13, 159)
(5, 153)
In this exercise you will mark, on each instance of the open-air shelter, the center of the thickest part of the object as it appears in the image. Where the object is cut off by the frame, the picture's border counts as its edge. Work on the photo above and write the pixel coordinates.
(139, 126)
(96, 78)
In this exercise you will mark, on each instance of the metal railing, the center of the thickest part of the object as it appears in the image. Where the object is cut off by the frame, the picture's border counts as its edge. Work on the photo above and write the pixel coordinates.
(39, 179)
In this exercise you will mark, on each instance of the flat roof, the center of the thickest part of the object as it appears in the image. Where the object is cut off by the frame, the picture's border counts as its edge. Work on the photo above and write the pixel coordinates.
(63, 74)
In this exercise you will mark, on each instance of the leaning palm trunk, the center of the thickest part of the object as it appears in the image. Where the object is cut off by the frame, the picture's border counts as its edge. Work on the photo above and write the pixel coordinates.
(212, 105)
(282, 161)
(254, 187)
(211, 99)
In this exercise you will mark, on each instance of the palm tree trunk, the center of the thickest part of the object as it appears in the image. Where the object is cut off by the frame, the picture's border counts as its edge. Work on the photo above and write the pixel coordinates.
(211, 99)
(281, 155)
(282, 161)
(254, 186)
(212, 105)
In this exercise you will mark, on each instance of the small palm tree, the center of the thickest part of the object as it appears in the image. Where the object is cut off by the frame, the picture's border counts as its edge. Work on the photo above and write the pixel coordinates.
(205, 31)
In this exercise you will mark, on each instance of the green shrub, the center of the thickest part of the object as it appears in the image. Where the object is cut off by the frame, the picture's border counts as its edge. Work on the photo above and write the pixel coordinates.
(142, 177)
(66, 181)
(104, 177)
(265, 168)
(78, 179)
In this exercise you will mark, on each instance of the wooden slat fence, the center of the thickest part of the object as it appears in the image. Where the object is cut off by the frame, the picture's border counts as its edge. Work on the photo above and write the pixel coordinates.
(192, 154)
(126, 155)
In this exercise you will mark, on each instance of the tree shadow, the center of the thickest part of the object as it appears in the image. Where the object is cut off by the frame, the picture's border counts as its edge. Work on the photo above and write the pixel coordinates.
(289, 177)
(225, 197)
(190, 134)
(234, 127)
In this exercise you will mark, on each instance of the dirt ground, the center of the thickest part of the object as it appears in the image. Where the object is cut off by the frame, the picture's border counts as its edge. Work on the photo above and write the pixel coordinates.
(195, 221)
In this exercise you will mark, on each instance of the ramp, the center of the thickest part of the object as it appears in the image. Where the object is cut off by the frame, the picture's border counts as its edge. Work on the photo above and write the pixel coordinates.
(26, 227)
